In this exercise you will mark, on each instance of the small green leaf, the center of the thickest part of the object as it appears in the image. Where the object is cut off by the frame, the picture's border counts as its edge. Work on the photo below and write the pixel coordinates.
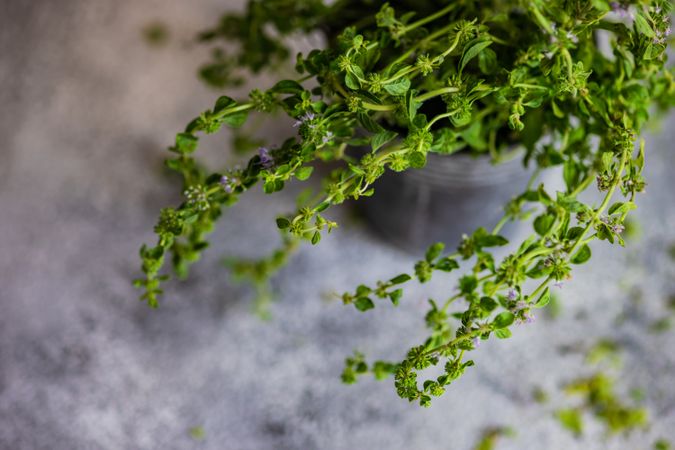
(399, 279)
(569, 203)
(283, 223)
(237, 119)
(186, 143)
(543, 299)
(488, 303)
(446, 264)
(395, 296)
(223, 103)
(399, 87)
(642, 26)
(364, 304)
(368, 123)
(621, 208)
(487, 61)
(543, 223)
(362, 290)
(583, 255)
(472, 52)
(491, 240)
(468, 284)
(606, 161)
(503, 320)
(571, 419)
(352, 82)
(411, 104)
(316, 237)
(287, 87)
(303, 172)
(434, 251)
(570, 175)
(503, 333)
(382, 138)
(417, 160)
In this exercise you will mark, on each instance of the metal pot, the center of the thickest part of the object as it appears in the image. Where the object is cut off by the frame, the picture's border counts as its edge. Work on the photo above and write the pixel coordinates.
(451, 196)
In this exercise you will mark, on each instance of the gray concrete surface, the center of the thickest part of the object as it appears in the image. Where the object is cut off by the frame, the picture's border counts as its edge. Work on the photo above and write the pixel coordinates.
(86, 110)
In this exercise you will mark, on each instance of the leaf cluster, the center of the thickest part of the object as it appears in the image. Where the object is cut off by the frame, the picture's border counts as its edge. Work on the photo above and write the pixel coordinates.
(403, 79)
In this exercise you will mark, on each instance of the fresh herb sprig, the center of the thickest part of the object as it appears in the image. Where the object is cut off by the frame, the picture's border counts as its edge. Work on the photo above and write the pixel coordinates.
(409, 80)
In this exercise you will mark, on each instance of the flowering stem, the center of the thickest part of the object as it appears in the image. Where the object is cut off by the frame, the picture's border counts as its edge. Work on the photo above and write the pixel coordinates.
(603, 205)
(465, 337)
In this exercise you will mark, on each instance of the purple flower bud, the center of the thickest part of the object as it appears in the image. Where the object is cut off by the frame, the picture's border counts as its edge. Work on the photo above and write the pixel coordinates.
(520, 305)
(266, 159)
(327, 137)
(528, 317)
(573, 37)
(227, 183)
(309, 116)
(476, 342)
(558, 284)
(512, 294)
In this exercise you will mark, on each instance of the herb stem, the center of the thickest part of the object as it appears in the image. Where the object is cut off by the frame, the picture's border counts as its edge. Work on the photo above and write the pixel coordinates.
(603, 205)
(430, 18)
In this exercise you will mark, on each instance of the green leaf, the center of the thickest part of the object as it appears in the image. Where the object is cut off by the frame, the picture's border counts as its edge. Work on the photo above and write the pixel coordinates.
(417, 160)
(237, 119)
(606, 161)
(583, 255)
(571, 419)
(487, 61)
(399, 87)
(570, 175)
(395, 296)
(411, 105)
(400, 279)
(382, 138)
(434, 251)
(488, 304)
(283, 223)
(642, 26)
(569, 203)
(364, 304)
(446, 264)
(468, 284)
(368, 123)
(186, 143)
(287, 87)
(503, 320)
(316, 237)
(223, 103)
(472, 52)
(503, 333)
(621, 208)
(491, 240)
(303, 173)
(352, 82)
(543, 223)
(543, 299)
(574, 233)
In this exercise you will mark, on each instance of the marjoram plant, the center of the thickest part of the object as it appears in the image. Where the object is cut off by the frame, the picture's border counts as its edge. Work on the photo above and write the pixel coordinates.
(572, 82)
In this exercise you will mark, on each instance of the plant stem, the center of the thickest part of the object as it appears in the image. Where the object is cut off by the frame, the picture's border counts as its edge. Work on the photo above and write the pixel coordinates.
(430, 18)
(603, 205)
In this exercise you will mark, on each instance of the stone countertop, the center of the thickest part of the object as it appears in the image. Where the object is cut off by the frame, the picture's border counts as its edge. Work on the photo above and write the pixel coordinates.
(87, 111)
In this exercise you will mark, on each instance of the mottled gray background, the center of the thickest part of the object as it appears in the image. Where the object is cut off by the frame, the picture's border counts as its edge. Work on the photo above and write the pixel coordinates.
(86, 111)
